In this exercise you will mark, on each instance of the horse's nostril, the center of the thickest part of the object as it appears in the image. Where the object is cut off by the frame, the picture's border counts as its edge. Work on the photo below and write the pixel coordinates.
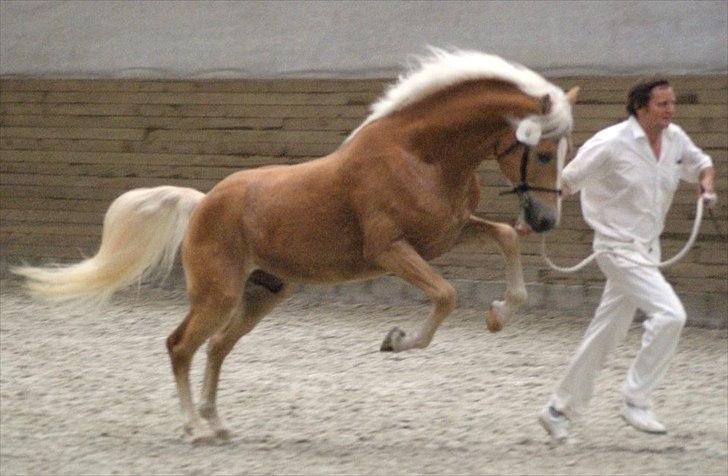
(538, 217)
(543, 224)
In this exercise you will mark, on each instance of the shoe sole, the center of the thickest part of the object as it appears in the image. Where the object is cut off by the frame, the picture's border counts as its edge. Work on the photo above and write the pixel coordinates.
(643, 430)
(546, 427)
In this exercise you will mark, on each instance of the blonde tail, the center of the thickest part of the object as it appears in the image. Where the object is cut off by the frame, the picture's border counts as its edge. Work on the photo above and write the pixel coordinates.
(143, 229)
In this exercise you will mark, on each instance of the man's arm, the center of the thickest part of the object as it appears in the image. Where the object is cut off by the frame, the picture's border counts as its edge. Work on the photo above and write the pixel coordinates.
(697, 166)
(589, 165)
(707, 186)
(707, 179)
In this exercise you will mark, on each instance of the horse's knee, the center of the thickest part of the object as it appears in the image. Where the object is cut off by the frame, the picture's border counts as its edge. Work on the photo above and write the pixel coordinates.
(445, 298)
(507, 238)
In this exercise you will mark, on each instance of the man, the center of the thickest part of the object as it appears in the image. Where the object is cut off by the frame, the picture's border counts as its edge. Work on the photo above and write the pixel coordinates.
(627, 175)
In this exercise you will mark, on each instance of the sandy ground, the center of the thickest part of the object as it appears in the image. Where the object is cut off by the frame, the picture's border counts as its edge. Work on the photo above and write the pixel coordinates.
(308, 393)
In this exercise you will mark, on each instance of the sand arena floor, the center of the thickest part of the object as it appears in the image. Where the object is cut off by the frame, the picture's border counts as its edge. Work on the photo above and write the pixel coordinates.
(308, 392)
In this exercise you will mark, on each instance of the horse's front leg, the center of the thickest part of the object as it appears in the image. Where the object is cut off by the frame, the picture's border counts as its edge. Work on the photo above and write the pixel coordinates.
(501, 312)
(402, 260)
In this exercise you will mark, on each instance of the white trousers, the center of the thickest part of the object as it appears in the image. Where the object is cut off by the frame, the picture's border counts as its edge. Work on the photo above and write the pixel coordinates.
(628, 288)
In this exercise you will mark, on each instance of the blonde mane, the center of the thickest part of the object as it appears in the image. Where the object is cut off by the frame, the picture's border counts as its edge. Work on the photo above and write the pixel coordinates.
(444, 69)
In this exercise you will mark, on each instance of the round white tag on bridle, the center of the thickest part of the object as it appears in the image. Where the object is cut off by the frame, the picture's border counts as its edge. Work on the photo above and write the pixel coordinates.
(529, 131)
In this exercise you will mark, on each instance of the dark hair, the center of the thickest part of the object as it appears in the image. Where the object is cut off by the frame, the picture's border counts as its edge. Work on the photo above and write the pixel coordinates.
(639, 95)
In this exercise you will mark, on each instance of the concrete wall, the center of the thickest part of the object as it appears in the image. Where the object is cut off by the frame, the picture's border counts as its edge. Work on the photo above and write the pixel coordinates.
(192, 39)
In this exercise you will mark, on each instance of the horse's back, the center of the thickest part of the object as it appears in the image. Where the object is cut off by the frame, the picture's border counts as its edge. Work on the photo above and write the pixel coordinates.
(294, 221)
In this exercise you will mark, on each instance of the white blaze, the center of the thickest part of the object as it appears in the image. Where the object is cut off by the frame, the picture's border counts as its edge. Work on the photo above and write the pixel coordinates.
(560, 162)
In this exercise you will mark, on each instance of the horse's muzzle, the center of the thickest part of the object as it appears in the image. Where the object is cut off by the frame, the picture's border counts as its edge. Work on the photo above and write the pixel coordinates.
(538, 216)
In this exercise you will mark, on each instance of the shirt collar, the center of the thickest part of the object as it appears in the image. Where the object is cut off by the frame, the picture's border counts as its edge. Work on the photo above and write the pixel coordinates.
(638, 132)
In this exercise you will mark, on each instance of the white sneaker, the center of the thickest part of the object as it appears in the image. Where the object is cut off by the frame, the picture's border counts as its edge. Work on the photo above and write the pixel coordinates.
(555, 425)
(642, 419)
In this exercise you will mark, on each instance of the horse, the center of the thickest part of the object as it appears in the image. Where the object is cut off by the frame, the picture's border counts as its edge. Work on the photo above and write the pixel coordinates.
(398, 192)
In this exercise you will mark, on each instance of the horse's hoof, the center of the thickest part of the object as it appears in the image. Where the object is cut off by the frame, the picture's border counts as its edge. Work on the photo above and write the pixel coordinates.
(392, 340)
(202, 439)
(492, 321)
(223, 434)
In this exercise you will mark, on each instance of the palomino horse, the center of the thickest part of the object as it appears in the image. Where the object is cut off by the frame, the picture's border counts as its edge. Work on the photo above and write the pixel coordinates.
(397, 193)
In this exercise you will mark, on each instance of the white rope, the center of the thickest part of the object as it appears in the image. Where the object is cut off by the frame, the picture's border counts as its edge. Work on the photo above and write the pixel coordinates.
(671, 261)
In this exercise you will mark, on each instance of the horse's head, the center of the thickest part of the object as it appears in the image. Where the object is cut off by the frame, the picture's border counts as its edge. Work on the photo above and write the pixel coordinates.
(533, 163)
(455, 106)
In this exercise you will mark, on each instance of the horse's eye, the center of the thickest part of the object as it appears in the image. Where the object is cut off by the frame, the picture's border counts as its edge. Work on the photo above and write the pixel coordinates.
(543, 157)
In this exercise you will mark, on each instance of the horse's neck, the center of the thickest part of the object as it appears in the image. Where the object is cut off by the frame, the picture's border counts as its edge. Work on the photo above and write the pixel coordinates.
(460, 128)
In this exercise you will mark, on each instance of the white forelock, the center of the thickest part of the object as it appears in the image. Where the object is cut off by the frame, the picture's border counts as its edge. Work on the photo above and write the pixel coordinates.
(443, 69)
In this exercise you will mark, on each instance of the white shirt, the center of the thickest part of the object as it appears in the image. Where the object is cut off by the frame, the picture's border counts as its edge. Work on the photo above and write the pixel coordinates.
(626, 191)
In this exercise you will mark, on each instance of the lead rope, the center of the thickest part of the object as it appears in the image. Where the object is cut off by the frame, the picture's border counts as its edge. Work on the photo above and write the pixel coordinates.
(592, 257)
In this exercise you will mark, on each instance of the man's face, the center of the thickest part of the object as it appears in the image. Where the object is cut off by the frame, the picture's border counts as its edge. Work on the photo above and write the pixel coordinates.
(658, 113)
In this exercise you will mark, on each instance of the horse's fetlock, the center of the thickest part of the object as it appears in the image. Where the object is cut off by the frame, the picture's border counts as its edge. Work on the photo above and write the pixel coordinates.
(207, 410)
(421, 343)
(517, 298)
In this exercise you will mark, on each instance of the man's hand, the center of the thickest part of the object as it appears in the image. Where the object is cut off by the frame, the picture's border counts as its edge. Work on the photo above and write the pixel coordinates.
(709, 199)
(522, 228)
(565, 190)
(707, 192)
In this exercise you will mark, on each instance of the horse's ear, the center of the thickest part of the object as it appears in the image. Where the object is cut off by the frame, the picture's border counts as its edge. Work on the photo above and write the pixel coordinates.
(545, 104)
(571, 95)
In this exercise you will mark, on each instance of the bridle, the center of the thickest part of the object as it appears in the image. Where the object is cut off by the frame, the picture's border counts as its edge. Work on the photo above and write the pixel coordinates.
(528, 135)
(523, 186)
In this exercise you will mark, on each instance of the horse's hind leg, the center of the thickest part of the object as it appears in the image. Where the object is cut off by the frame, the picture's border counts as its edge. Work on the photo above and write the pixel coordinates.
(402, 260)
(507, 239)
(207, 314)
(262, 293)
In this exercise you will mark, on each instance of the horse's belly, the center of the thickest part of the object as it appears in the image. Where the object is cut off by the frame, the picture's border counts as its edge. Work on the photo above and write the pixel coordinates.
(318, 253)
(299, 269)
(301, 275)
